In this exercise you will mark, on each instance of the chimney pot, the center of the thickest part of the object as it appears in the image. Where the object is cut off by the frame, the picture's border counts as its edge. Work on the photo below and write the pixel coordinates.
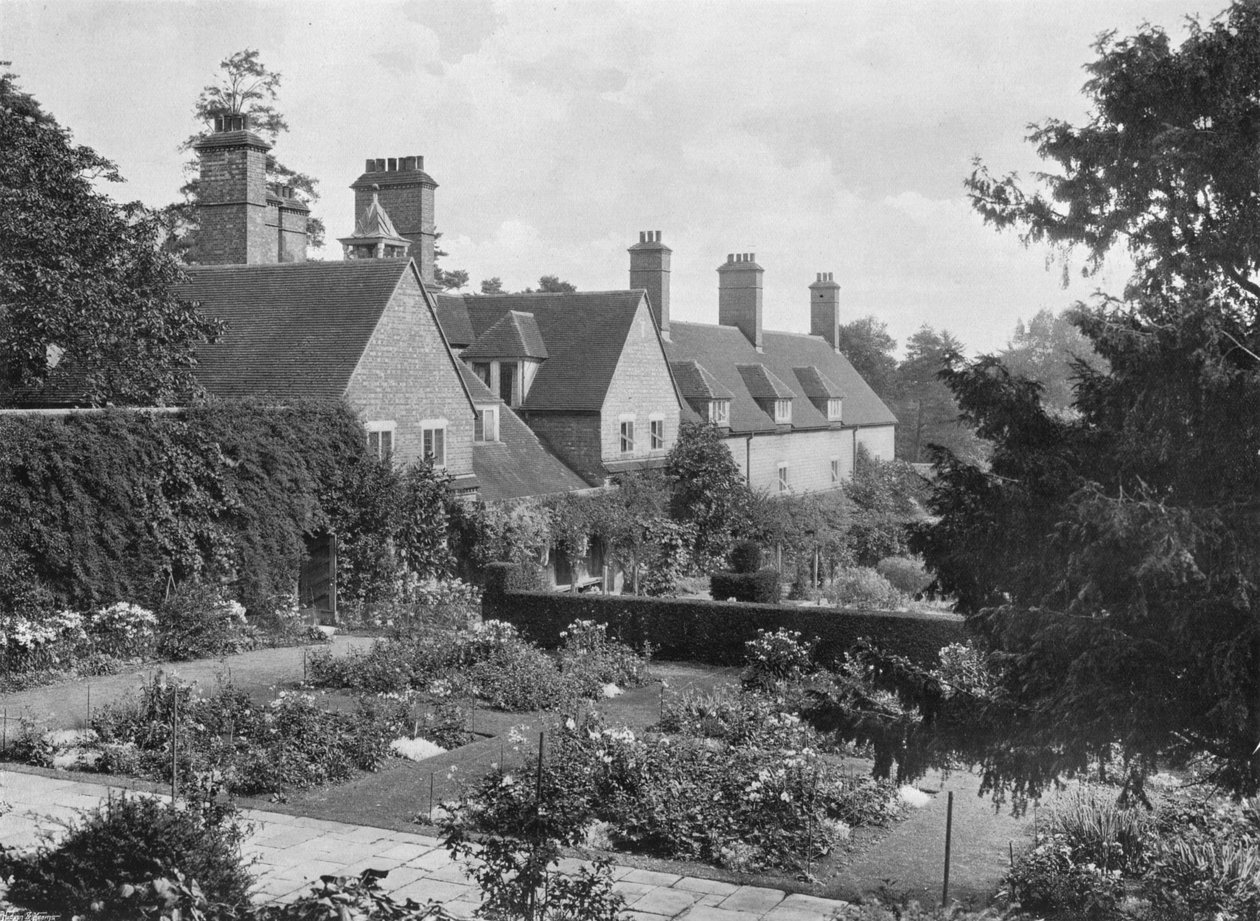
(419, 163)
(393, 164)
(369, 166)
(642, 236)
(409, 163)
(380, 165)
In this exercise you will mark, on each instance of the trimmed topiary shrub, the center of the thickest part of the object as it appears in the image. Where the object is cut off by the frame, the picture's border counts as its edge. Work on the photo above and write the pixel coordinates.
(746, 557)
(906, 573)
(715, 632)
(760, 587)
(864, 588)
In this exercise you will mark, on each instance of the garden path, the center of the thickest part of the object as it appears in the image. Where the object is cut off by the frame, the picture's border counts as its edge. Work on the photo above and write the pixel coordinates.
(66, 704)
(293, 851)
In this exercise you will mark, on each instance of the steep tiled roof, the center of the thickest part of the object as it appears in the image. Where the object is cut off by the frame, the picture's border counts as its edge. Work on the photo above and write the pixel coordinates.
(515, 335)
(722, 349)
(452, 314)
(816, 385)
(762, 384)
(584, 334)
(695, 383)
(517, 464)
(293, 329)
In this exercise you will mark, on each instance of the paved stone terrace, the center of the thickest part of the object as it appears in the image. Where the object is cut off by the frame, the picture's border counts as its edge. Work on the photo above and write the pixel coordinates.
(294, 851)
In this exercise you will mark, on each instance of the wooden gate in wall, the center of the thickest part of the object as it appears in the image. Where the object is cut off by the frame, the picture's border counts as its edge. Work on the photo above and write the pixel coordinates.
(317, 584)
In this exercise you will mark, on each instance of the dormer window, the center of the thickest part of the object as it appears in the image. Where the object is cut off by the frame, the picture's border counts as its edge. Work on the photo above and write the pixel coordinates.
(720, 412)
(782, 412)
(486, 427)
(834, 409)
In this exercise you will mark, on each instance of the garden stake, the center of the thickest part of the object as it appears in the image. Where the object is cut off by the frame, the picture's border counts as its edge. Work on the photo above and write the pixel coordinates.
(1011, 845)
(174, 743)
(89, 704)
(430, 797)
(4, 733)
(949, 828)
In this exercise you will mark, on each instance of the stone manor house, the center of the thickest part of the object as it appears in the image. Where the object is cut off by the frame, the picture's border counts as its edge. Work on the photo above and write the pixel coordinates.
(513, 394)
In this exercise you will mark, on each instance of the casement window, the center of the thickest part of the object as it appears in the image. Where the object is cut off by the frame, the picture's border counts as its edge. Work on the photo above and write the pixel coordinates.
(507, 383)
(834, 407)
(486, 428)
(720, 412)
(835, 471)
(380, 440)
(782, 411)
(627, 436)
(433, 438)
(482, 370)
(658, 432)
(784, 482)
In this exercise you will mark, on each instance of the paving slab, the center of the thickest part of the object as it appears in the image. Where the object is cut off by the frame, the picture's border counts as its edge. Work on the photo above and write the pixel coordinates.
(668, 902)
(714, 913)
(755, 899)
(709, 886)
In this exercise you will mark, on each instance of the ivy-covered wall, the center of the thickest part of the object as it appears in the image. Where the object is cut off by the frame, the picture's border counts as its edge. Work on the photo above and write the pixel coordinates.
(116, 505)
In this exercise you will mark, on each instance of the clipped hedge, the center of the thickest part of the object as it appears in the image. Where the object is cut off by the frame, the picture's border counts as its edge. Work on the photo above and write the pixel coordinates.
(714, 632)
(761, 586)
(510, 577)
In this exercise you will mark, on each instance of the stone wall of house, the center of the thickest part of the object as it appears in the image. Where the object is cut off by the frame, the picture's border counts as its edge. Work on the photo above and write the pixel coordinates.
(407, 376)
(574, 438)
(641, 387)
(808, 456)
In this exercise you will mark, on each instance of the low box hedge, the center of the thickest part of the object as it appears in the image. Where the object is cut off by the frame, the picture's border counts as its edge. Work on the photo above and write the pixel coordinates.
(510, 577)
(714, 632)
(761, 586)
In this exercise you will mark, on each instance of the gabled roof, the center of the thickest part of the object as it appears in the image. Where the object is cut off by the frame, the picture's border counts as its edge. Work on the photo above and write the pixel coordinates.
(816, 385)
(722, 349)
(517, 464)
(695, 383)
(584, 334)
(515, 335)
(762, 384)
(292, 329)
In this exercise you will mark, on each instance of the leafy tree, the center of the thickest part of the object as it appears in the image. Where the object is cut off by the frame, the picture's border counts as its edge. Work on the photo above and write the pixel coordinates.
(551, 284)
(886, 500)
(1111, 559)
(492, 285)
(83, 278)
(450, 281)
(707, 491)
(925, 407)
(1045, 350)
(630, 521)
(869, 348)
(249, 88)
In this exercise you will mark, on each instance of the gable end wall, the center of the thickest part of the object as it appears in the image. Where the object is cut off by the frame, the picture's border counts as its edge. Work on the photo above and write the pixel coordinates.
(642, 385)
(406, 375)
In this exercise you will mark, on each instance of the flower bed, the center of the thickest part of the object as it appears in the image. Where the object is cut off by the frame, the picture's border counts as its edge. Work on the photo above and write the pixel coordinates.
(490, 661)
(291, 742)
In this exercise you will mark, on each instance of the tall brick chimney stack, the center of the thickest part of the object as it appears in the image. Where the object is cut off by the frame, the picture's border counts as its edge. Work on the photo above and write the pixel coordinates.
(649, 269)
(405, 191)
(824, 309)
(233, 196)
(739, 295)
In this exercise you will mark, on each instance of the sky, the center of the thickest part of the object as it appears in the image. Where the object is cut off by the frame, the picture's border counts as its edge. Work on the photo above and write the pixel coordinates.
(821, 136)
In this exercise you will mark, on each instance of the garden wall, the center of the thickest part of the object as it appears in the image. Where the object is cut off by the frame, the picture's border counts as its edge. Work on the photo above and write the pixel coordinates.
(715, 631)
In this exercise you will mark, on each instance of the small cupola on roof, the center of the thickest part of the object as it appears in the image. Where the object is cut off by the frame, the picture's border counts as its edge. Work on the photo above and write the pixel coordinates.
(703, 392)
(408, 192)
(507, 356)
(374, 236)
(821, 391)
(770, 393)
